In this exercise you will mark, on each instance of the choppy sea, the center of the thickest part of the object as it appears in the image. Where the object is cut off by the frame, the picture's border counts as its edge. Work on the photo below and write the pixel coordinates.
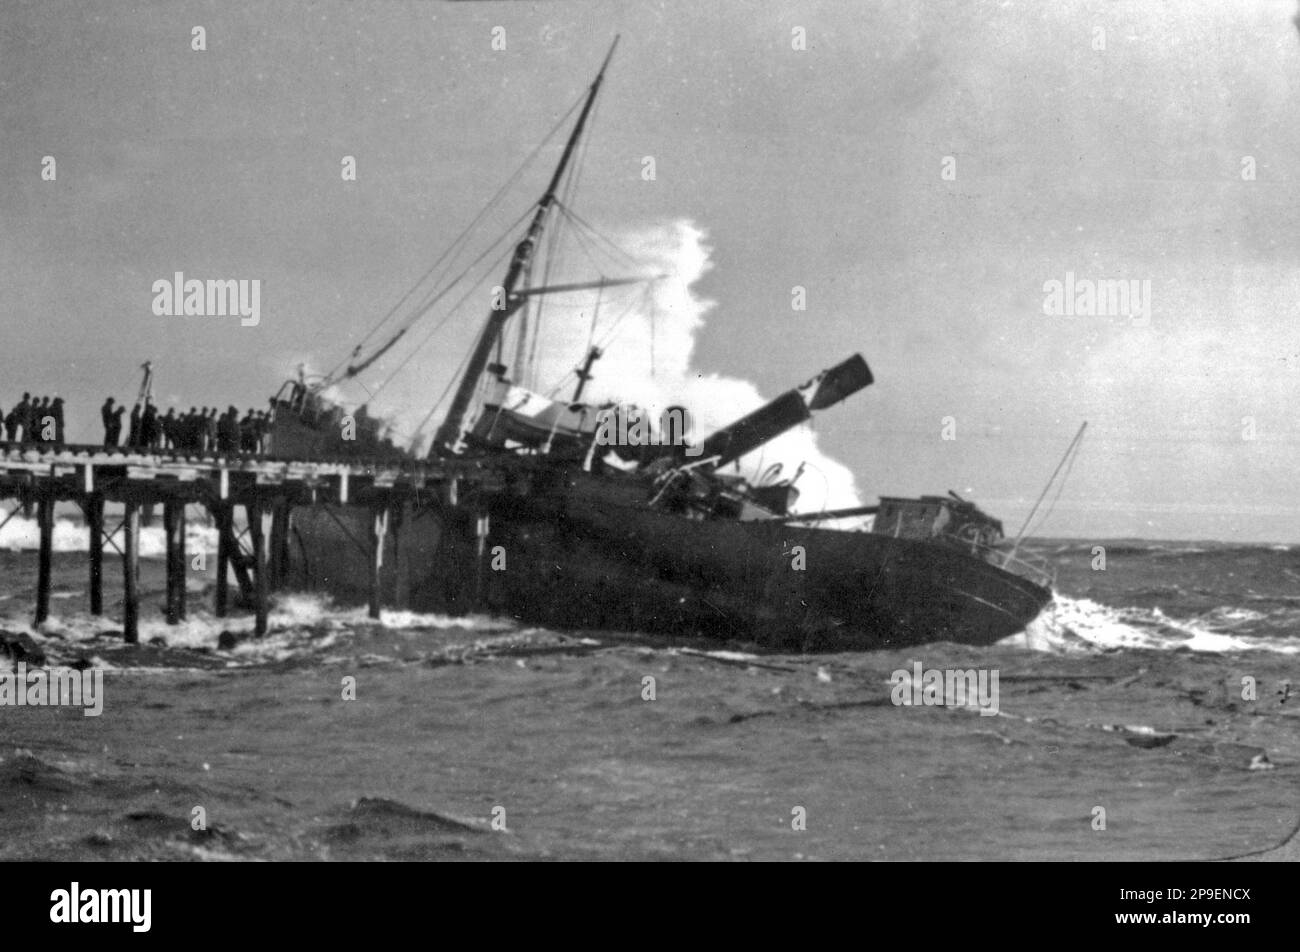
(1148, 714)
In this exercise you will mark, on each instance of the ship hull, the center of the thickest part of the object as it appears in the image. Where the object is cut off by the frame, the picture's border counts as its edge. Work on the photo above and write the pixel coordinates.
(586, 552)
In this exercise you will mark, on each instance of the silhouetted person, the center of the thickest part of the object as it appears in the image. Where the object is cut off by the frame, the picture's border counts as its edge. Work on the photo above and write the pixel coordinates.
(246, 433)
(40, 417)
(56, 411)
(115, 434)
(133, 434)
(210, 429)
(14, 421)
(149, 426)
(108, 418)
(261, 427)
(228, 431)
(190, 429)
(23, 418)
(167, 426)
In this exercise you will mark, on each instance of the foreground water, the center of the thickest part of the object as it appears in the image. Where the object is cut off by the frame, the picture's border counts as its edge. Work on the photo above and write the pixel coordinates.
(1127, 698)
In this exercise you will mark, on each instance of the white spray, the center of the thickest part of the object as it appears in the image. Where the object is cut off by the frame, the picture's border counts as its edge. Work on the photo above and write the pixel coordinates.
(664, 322)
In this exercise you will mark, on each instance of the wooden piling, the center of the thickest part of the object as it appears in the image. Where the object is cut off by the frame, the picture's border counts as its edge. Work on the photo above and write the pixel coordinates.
(278, 557)
(131, 574)
(45, 521)
(402, 516)
(222, 513)
(228, 544)
(481, 528)
(258, 538)
(182, 563)
(169, 562)
(95, 522)
(378, 532)
(174, 527)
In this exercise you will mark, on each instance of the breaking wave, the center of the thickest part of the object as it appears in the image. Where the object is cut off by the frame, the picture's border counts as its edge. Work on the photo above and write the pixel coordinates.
(301, 626)
(1082, 625)
(22, 534)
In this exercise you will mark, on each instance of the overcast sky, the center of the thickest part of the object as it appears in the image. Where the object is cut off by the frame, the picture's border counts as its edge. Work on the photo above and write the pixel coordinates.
(819, 167)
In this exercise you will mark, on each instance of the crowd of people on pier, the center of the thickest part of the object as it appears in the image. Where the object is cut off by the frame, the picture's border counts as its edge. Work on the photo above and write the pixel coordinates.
(39, 421)
(34, 420)
(196, 431)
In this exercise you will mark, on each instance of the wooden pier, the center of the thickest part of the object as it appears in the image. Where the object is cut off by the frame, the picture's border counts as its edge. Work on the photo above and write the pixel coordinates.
(267, 489)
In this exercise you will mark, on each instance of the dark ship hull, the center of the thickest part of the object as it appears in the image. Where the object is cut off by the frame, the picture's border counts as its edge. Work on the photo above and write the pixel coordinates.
(599, 528)
(585, 552)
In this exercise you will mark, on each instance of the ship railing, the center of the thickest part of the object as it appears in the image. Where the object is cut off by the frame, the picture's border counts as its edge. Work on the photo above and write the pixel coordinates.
(1036, 568)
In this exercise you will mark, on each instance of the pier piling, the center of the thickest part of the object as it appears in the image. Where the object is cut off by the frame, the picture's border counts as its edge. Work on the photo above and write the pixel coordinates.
(402, 516)
(131, 574)
(182, 560)
(256, 535)
(378, 532)
(481, 529)
(94, 510)
(278, 557)
(222, 515)
(174, 528)
(45, 521)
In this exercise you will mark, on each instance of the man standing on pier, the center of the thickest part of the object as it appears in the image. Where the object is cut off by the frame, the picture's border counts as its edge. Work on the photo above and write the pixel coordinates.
(56, 411)
(228, 431)
(149, 426)
(14, 421)
(27, 419)
(167, 425)
(201, 431)
(112, 421)
(40, 419)
(133, 434)
(116, 432)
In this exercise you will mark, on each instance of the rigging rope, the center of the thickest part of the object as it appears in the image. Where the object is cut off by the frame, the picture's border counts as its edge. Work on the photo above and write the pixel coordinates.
(451, 311)
(1059, 488)
(553, 253)
(501, 192)
(601, 344)
(443, 396)
(1069, 454)
(583, 223)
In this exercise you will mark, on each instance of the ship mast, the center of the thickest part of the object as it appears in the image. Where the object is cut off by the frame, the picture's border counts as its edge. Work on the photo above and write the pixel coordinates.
(448, 435)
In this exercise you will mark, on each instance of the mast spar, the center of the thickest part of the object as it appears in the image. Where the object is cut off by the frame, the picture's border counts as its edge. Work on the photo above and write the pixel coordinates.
(448, 435)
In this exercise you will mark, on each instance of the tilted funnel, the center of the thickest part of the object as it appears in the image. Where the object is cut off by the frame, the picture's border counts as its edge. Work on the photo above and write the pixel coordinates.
(788, 410)
(840, 382)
